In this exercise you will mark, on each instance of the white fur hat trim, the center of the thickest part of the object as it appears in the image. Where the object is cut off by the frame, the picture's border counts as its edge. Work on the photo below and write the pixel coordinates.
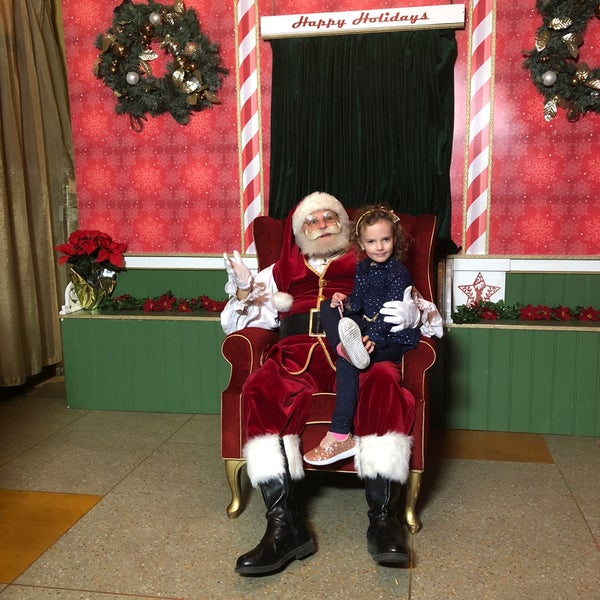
(282, 301)
(312, 203)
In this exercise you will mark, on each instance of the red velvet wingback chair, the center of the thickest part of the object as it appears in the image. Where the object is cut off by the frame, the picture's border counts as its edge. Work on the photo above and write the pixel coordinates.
(245, 350)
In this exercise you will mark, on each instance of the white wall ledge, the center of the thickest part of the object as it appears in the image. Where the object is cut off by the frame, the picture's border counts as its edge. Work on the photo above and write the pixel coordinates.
(187, 262)
(534, 264)
(460, 263)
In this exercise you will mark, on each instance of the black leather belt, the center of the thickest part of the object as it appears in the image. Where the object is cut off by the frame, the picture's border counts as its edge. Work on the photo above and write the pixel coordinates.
(302, 324)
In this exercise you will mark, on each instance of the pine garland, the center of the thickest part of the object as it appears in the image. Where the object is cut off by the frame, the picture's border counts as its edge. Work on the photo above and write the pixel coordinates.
(166, 302)
(558, 75)
(191, 79)
(500, 311)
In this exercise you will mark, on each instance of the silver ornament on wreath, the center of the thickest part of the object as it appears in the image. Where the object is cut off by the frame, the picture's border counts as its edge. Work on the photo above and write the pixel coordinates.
(132, 78)
(549, 78)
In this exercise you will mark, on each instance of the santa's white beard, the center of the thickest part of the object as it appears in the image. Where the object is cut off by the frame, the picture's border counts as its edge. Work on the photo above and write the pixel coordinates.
(326, 246)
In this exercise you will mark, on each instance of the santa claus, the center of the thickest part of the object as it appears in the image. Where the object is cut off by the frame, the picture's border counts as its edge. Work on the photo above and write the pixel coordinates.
(316, 261)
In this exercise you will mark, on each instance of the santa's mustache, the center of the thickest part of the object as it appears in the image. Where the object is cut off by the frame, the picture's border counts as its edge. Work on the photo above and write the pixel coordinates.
(317, 233)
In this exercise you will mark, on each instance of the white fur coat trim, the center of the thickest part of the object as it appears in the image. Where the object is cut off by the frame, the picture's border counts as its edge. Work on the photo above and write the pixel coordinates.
(282, 301)
(386, 455)
(264, 460)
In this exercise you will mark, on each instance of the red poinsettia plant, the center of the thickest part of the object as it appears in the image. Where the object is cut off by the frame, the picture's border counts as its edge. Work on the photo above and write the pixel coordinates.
(89, 251)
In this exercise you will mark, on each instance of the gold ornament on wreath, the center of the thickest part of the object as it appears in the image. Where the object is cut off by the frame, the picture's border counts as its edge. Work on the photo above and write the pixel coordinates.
(564, 81)
(191, 78)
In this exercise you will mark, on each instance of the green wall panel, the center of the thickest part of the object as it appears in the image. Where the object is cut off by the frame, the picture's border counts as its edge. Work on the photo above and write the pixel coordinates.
(504, 378)
(552, 289)
(488, 377)
(152, 363)
(184, 283)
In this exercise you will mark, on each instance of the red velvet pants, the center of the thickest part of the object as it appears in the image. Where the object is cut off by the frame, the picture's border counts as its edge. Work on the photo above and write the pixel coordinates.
(276, 398)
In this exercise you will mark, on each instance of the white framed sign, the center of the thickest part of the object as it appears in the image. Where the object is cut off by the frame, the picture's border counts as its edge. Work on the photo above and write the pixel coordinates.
(446, 16)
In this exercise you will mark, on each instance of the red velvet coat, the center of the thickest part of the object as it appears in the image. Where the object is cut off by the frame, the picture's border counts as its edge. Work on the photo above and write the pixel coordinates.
(276, 397)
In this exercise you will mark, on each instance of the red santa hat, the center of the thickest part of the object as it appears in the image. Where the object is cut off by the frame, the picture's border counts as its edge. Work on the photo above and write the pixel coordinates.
(314, 202)
(291, 256)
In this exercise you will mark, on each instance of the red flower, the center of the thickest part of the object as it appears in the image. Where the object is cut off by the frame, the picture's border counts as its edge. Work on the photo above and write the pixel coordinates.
(561, 313)
(113, 253)
(88, 249)
(544, 312)
(210, 305)
(488, 314)
(589, 314)
(528, 313)
(167, 301)
(152, 305)
(184, 306)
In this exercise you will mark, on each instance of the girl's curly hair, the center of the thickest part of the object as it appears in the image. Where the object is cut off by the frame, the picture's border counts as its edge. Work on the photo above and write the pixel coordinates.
(371, 215)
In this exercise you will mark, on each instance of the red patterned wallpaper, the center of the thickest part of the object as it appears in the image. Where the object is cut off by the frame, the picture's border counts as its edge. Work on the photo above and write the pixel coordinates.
(175, 188)
(171, 188)
(545, 176)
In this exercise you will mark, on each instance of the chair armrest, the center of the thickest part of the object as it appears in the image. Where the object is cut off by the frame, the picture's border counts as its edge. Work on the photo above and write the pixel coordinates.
(244, 350)
(415, 365)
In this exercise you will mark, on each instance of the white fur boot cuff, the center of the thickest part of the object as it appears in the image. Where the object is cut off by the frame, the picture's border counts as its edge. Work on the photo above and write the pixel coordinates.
(264, 459)
(386, 455)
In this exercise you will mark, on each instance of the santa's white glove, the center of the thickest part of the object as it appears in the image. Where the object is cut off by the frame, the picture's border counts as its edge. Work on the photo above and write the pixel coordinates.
(403, 314)
(238, 272)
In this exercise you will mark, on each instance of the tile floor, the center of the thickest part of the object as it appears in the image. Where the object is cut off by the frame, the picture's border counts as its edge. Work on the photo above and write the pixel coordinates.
(118, 506)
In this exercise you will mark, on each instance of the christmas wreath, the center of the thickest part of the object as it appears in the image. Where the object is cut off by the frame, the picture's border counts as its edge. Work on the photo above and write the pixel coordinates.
(191, 78)
(553, 63)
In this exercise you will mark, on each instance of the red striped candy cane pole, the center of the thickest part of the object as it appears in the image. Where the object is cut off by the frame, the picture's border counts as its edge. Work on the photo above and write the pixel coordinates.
(479, 152)
(248, 117)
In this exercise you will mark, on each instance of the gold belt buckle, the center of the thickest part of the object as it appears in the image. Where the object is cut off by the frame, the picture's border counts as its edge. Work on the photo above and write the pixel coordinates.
(312, 320)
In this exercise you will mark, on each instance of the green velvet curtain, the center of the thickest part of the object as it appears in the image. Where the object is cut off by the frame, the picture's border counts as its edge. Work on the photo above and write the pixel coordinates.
(368, 118)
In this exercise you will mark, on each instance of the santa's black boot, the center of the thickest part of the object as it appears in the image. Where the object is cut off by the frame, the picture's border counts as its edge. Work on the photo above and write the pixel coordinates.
(286, 538)
(385, 540)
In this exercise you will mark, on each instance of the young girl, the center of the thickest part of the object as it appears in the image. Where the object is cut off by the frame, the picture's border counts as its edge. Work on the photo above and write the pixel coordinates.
(362, 336)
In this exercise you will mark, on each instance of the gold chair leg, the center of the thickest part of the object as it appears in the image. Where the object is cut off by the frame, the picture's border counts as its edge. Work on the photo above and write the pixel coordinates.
(413, 486)
(233, 470)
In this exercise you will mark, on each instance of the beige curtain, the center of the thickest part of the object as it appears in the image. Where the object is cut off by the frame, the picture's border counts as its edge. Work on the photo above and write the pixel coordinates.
(36, 186)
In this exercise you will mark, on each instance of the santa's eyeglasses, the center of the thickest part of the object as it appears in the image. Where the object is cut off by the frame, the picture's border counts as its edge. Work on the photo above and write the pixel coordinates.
(327, 218)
